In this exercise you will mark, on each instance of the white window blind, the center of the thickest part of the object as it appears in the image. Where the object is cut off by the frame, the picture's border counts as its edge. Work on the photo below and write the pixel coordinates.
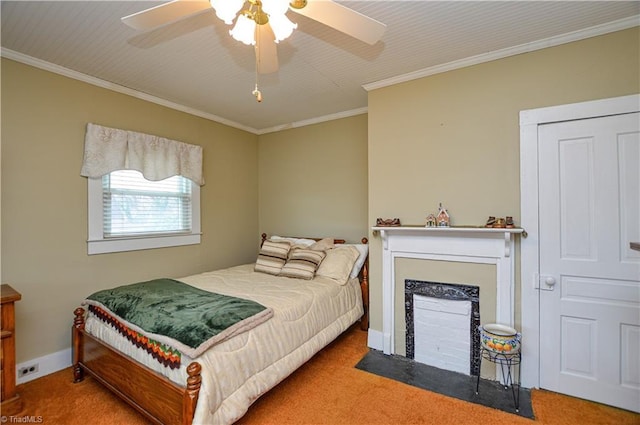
(135, 206)
(140, 214)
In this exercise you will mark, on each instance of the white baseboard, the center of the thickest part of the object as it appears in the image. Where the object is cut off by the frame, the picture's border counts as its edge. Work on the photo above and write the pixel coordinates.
(375, 340)
(62, 359)
(46, 365)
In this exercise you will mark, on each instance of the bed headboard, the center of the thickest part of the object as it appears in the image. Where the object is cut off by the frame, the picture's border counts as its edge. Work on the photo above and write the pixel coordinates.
(336, 241)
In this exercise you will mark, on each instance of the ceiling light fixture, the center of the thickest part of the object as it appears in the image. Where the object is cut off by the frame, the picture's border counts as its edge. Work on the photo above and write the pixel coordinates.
(245, 29)
(282, 27)
(262, 23)
(227, 9)
(259, 12)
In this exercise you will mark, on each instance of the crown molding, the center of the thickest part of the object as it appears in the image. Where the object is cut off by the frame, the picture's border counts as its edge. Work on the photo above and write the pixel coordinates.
(66, 72)
(317, 120)
(597, 30)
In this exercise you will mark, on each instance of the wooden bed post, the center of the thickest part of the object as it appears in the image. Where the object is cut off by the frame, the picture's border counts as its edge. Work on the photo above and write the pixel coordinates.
(364, 285)
(191, 393)
(150, 393)
(77, 344)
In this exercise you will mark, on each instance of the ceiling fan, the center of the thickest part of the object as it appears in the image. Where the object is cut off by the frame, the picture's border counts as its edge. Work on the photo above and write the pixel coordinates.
(262, 22)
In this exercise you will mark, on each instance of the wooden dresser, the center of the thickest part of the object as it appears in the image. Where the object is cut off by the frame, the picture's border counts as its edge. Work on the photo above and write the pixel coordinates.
(11, 401)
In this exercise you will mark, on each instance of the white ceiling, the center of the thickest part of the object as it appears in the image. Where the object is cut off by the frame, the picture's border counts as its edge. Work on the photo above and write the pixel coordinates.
(195, 66)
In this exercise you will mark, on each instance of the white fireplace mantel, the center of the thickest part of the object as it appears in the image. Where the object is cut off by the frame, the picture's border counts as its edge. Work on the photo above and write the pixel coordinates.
(461, 244)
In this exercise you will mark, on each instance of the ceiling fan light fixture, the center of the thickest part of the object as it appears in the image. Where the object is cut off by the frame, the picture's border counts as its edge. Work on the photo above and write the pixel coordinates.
(244, 30)
(275, 7)
(227, 9)
(260, 17)
(282, 27)
(298, 4)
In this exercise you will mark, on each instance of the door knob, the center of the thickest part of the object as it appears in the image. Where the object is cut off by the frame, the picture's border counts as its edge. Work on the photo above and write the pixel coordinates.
(549, 281)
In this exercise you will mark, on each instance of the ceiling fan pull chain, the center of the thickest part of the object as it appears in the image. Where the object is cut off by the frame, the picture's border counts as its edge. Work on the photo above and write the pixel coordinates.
(256, 92)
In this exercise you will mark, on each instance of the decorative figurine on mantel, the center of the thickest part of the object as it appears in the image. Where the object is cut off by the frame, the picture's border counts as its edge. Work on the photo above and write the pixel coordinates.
(500, 223)
(431, 221)
(443, 217)
(389, 222)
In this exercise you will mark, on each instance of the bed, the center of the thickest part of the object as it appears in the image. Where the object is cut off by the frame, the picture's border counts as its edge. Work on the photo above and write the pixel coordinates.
(217, 385)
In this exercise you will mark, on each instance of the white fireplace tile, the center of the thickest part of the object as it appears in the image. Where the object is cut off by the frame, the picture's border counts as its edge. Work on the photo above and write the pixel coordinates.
(441, 333)
(441, 305)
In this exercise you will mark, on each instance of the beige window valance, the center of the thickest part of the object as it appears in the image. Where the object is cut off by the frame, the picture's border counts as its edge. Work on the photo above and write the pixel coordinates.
(110, 149)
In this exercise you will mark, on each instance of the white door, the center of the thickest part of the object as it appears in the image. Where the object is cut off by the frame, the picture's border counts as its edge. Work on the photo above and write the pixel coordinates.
(589, 213)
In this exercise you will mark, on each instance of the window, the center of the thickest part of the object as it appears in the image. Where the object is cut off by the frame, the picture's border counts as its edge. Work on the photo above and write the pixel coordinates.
(128, 212)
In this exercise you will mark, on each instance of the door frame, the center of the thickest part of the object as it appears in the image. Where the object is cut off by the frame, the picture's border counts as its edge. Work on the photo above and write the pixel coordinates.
(529, 202)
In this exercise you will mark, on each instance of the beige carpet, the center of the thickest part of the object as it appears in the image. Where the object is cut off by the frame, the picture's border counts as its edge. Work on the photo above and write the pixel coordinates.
(326, 390)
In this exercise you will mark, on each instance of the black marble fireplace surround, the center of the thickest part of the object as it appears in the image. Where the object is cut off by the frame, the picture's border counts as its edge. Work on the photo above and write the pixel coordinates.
(448, 291)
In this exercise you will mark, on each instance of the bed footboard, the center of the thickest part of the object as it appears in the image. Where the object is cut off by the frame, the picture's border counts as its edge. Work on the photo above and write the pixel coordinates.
(153, 395)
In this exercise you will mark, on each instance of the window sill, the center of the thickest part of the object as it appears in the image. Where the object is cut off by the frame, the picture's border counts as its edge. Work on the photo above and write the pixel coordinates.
(104, 246)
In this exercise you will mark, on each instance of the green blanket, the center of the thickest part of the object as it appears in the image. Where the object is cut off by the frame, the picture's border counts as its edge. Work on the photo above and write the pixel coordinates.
(174, 313)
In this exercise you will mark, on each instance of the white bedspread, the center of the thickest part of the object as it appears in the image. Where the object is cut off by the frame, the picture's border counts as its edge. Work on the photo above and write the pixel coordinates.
(307, 316)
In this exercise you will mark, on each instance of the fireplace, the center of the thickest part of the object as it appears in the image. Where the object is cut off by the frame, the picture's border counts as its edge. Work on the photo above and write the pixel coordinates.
(461, 244)
(450, 338)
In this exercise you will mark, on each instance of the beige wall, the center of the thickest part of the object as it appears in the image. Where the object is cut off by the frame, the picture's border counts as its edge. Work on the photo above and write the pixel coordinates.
(44, 199)
(313, 180)
(454, 137)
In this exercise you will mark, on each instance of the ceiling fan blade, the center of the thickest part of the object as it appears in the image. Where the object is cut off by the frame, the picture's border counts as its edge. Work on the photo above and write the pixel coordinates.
(164, 33)
(266, 50)
(165, 13)
(344, 19)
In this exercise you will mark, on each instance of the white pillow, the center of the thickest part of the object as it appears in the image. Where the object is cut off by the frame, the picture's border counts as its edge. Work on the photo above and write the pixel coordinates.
(338, 263)
(294, 241)
(322, 244)
(363, 249)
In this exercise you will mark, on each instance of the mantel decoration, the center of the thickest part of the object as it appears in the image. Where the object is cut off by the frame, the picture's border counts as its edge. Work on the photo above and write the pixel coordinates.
(431, 221)
(444, 220)
(500, 223)
(389, 222)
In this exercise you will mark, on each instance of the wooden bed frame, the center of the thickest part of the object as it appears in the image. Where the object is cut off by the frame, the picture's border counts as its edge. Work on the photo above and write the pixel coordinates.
(159, 399)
